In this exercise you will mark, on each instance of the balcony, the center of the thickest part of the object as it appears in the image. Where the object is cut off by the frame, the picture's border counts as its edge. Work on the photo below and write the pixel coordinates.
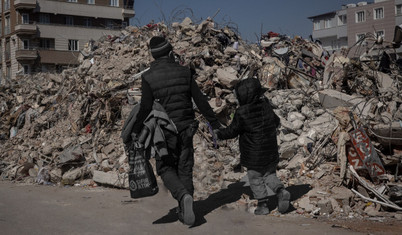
(337, 31)
(66, 8)
(24, 4)
(128, 13)
(21, 29)
(26, 54)
(58, 57)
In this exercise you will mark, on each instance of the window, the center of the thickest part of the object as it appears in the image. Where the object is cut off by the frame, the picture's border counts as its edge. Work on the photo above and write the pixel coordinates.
(7, 25)
(360, 37)
(380, 33)
(335, 44)
(378, 13)
(91, 1)
(7, 51)
(45, 43)
(342, 20)
(1, 27)
(360, 16)
(73, 45)
(114, 3)
(69, 20)
(6, 5)
(88, 22)
(25, 18)
(398, 9)
(27, 68)
(109, 24)
(317, 25)
(44, 68)
(44, 18)
(8, 72)
(327, 23)
(26, 44)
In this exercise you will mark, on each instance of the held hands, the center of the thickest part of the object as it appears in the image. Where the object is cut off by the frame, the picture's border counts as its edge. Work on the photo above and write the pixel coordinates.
(214, 133)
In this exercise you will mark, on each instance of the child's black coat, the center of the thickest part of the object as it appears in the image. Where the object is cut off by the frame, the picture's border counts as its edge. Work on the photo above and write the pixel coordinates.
(255, 122)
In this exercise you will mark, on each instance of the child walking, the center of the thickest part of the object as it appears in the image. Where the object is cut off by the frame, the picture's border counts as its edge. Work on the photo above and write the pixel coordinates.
(255, 123)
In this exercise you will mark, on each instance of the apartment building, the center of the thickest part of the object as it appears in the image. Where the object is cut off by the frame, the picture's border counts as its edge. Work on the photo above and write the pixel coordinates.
(331, 29)
(343, 28)
(47, 35)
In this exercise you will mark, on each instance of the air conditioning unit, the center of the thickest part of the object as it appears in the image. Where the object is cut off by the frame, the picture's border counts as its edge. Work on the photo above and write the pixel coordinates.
(361, 4)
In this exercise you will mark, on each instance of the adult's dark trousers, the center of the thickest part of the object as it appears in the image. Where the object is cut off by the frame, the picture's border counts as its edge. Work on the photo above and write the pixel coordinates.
(176, 169)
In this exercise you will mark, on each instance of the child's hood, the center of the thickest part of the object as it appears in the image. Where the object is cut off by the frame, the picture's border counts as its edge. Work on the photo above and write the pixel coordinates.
(248, 91)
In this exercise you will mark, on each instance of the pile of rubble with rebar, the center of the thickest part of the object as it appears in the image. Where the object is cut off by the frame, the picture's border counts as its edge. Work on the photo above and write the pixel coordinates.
(341, 118)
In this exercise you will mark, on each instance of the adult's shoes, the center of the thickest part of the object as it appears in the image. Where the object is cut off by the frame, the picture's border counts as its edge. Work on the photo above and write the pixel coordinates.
(187, 214)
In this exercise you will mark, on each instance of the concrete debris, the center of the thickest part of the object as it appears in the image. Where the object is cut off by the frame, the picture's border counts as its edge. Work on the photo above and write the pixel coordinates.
(65, 128)
(114, 179)
(325, 206)
(71, 176)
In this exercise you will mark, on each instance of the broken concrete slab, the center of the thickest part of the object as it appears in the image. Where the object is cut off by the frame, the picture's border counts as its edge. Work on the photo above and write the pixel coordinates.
(325, 206)
(296, 161)
(331, 99)
(71, 176)
(342, 195)
(389, 133)
(305, 204)
(288, 137)
(307, 112)
(293, 116)
(287, 150)
(111, 178)
(227, 77)
(71, 154)
(384, 80)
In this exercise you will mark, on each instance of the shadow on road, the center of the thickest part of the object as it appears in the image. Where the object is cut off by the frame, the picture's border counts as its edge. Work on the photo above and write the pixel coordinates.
(226, 196)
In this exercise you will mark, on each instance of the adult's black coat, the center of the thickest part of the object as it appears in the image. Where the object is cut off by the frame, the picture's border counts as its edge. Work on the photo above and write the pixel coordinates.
(255, 122)
(173, 87)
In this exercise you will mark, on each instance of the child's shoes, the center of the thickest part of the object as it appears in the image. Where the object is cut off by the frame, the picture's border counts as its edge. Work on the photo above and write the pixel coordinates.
(283, 200)
(262, 208)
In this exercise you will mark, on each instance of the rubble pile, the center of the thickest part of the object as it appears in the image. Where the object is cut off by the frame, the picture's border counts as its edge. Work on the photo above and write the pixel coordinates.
(65, 128)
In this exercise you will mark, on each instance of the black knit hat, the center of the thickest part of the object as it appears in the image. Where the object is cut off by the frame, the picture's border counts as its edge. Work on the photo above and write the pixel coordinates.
(159, 46)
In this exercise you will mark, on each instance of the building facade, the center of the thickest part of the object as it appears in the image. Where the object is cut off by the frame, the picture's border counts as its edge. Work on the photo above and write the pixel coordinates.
(331, 29)
(344, 28)
(47, 35)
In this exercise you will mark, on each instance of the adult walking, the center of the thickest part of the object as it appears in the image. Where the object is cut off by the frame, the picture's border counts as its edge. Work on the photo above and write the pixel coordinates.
(174, 88)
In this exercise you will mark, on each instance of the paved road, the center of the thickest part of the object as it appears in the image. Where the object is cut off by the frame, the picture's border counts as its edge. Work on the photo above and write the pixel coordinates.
(32, 209)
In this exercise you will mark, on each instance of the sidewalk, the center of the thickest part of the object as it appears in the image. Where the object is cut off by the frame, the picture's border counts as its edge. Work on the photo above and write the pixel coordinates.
(34, 209)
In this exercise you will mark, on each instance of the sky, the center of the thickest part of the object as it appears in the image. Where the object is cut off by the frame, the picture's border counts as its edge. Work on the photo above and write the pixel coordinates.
(248, 17)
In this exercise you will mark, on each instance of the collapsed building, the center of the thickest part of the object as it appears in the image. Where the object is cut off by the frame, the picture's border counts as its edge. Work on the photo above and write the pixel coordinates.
(340, 133)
